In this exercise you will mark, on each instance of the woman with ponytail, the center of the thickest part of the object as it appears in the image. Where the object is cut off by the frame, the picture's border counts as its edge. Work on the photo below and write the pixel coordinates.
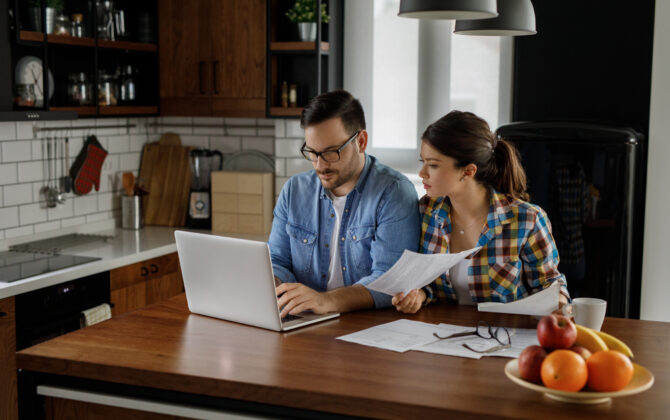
(476, 197)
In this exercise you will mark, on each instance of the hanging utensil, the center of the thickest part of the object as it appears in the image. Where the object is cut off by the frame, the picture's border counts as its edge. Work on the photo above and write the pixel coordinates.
(128, 181)
(60, 196)
(50, 192)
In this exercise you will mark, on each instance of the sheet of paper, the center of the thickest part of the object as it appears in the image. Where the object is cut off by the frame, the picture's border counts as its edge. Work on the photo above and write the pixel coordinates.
(400, 336)
(540, 303)
(414, 270)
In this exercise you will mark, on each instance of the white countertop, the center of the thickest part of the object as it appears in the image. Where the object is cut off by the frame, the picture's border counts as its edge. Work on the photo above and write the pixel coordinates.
(127, 247)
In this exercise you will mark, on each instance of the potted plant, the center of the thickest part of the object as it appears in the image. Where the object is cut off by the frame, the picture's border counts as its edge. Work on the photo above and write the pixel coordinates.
(35, 15)
(304, 14)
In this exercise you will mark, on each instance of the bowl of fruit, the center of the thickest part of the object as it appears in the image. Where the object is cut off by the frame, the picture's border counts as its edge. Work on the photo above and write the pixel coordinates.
(577, 364)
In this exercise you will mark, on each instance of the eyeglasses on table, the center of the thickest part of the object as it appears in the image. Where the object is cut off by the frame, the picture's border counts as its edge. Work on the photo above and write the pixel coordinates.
(486, 331)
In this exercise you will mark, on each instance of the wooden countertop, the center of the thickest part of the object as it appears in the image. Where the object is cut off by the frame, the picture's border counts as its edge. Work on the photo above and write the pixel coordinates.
(165, 347)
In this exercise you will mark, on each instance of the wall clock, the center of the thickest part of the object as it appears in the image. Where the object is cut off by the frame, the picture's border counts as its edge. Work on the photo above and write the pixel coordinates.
(29, 70)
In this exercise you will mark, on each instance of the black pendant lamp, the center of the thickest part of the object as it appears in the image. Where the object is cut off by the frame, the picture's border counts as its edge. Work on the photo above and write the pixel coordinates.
(515, 17)
(448, 9)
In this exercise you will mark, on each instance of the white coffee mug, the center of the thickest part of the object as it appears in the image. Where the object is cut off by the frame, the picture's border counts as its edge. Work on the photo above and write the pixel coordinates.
(589, 312)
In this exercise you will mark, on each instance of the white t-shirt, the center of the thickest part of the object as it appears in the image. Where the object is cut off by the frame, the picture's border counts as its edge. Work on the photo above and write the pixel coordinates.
(335, 279)
(458, 275)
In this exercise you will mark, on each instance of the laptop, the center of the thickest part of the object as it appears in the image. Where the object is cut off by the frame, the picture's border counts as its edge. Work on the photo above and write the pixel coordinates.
(232, 279)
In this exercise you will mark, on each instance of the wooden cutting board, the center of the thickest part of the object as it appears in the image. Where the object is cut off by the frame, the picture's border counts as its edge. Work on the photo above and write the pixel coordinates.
(165, 173)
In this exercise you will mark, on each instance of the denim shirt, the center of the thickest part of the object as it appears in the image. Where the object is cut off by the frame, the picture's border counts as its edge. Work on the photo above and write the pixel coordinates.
(381, 219)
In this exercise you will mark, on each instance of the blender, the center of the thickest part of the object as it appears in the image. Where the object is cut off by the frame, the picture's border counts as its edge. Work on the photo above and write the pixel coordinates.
(203, 162)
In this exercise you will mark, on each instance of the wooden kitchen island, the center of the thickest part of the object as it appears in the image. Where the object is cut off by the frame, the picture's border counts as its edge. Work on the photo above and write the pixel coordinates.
(164, 354)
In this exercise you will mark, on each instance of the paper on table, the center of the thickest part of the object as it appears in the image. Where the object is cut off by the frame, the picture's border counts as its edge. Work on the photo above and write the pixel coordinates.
(400, 335)
(414, 270)
(520, 337)
(540, 303)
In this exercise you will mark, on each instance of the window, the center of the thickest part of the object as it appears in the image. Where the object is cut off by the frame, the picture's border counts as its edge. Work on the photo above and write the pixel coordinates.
(409, 72)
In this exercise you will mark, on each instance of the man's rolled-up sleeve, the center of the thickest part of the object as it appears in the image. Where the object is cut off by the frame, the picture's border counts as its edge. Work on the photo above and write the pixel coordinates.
(398, 229)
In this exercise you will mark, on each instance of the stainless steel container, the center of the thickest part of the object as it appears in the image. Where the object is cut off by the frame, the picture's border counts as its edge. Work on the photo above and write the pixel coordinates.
(131, 212)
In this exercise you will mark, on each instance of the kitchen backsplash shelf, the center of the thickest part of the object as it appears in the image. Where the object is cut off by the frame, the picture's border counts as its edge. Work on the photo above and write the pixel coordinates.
(295, 46)
(278, 111)
(128, 110)
(127, 45)
(31, 36)
(80, 110)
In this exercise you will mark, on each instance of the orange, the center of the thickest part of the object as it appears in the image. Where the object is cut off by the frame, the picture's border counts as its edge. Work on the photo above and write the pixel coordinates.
(609, 370)
(564, 370)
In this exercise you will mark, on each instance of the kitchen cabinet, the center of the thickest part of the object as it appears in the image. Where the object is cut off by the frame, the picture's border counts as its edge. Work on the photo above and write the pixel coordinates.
(146, 282)
(313, 67)
(50, 63)
(8, 395)
(212, 57)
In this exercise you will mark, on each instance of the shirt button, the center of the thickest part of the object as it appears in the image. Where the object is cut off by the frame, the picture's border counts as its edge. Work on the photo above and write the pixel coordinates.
(323, 276)
(344, 268)
(354, 238)
(346, 210)
(326, 245)
(332, 215)
(304, 241)
(343, 238)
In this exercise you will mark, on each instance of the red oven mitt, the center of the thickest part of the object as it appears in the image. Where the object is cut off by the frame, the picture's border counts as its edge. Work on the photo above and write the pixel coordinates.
(85, 171)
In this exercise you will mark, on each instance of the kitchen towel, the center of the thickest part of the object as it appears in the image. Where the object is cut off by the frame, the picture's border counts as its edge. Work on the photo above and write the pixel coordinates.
(96, 314)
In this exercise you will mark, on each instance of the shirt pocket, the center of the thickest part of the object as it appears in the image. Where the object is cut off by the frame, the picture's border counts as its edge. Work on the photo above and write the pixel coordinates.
(504, 279)
(302, 247)
(361, 238)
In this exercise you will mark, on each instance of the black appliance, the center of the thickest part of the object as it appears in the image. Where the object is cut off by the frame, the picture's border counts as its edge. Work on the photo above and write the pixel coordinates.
(55, 310)
(203, 162)
(15, 265)
(584, 175)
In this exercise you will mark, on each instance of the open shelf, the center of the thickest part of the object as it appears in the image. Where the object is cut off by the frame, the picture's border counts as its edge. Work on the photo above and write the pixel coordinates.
(298, 46)
(278, 111)
(80, 110)
(87, 42)
(129, 110)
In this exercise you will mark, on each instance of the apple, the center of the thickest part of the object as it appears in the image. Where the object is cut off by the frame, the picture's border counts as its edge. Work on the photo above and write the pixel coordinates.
(582, 351)
(556, 332)
(530, 362)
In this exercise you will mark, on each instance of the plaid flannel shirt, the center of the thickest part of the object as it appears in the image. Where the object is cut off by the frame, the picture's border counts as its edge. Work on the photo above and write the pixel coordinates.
(518, 255)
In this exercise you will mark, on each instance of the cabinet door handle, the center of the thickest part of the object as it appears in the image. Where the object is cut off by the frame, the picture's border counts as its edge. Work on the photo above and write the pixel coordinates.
(154, 268)
(144, 271)
(3, 314)
(215, 65)
(201, 68)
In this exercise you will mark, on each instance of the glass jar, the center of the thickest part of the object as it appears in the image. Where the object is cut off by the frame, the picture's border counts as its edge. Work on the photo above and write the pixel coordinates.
(24, 95)
(107, 90)
(127, 92)
(77, 26)
(80, 90)
(62, 25)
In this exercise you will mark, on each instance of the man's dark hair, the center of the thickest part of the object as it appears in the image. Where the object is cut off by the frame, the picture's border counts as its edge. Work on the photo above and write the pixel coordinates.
(338, 103)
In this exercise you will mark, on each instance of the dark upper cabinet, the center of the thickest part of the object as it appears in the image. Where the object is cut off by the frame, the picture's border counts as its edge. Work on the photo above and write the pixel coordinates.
(212, 57)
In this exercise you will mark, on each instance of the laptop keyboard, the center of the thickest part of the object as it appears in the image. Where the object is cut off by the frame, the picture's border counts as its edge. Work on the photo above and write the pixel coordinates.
(290, 317)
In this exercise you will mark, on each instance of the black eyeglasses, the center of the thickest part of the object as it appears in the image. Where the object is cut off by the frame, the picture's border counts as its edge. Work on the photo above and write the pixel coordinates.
(486, 331)
(328, 155)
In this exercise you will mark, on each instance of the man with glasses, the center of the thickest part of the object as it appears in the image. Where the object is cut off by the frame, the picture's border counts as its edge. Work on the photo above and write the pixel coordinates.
(342, 225)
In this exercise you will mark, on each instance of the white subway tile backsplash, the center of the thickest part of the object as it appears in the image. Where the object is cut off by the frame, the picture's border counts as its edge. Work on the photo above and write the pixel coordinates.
(296, 166)
(118, 144)
(129, 161)
(240, 121)
(111, 164)
(195, 141)
(62, 211)
(20, 231)
(108, 201)
(293, 129)
(75, 145)
(225, 144)
(8, 173)
(265, 122)
(280, 128)
(92, 218)
(208, 125)
(16, 151)
(266, 131)
(32, 213)
(9, 217)
(262, 144)
(137, 142)
(24, 130)
(2, 202)
(73, 221)
(17, 194)
(38, 149)
(2, 235)
(280, 167)
(240, 131)
(86, 204)
(7, 131)
(31, 171)
(43, 227)
(288, 148)
(104, 122)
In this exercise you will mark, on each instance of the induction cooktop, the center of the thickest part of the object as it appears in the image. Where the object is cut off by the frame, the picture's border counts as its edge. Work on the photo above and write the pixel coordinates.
(15, 265)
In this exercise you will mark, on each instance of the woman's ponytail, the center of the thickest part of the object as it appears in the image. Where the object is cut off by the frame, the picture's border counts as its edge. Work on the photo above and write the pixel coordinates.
(509, 176)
